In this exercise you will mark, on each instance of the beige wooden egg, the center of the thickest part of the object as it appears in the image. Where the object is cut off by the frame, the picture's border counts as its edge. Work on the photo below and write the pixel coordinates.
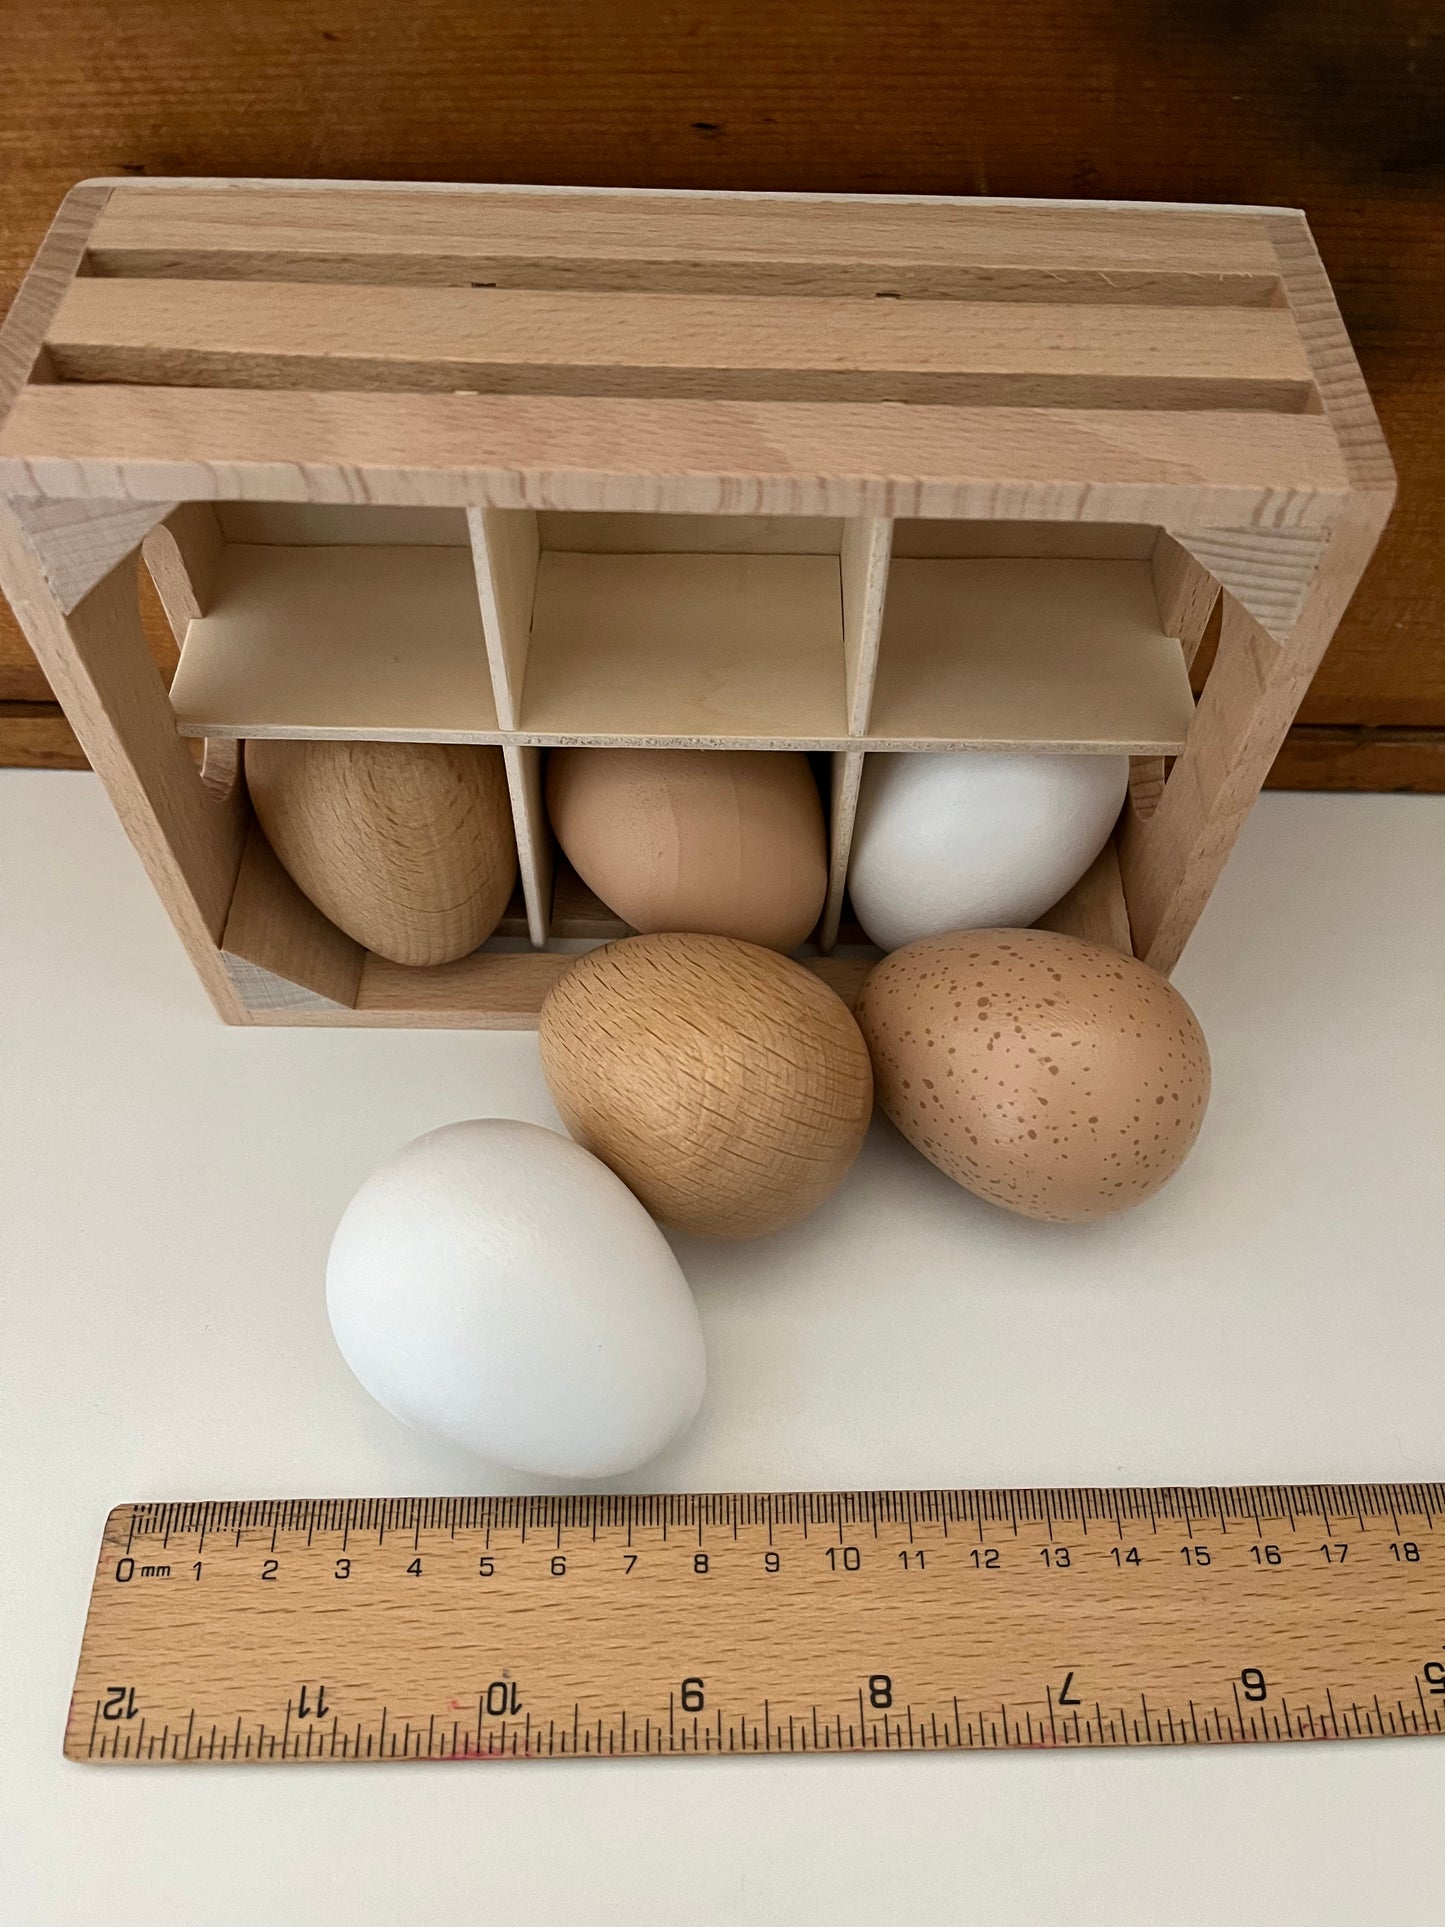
(1051, 1076)
(728, 843)
(726, 1085)
(407, 847)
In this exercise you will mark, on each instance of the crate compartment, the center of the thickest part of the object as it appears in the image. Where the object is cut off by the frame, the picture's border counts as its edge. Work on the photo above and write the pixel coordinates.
(733, 649)
(1021, 652)
(338, 640)
(665, 629)
(579, 913)
(994, 509)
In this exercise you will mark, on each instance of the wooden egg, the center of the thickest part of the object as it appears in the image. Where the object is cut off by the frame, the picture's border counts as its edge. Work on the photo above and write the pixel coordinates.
(407, 847)
(727, 843)
(726, 1085)
(1051, 1076)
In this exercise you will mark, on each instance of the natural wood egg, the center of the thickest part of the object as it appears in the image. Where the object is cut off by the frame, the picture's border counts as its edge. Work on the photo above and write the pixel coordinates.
(407, 847)
(726, 1085)
(728, 843)
(1048, 1075)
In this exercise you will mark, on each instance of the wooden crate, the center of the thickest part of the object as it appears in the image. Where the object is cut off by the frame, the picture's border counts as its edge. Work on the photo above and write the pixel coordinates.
(541, 466)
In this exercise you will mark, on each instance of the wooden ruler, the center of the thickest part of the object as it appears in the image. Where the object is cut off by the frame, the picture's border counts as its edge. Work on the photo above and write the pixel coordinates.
(366, 1629)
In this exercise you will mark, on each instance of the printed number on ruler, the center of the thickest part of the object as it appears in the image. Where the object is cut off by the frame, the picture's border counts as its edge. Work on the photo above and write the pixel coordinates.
(830, 1622)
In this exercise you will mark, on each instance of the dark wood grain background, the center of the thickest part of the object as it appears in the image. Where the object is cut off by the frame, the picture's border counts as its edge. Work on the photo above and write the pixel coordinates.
(1330, 105)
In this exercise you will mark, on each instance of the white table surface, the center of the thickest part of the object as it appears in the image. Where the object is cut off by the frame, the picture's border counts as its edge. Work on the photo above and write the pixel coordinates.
(169, 1189)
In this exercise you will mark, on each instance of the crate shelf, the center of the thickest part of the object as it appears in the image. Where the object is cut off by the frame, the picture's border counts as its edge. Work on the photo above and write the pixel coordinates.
(745, 650)
(1003, 653)
(381, 642)
(594, 466)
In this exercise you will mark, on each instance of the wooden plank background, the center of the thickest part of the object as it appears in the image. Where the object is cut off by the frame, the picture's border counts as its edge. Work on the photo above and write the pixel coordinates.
(1322, 104)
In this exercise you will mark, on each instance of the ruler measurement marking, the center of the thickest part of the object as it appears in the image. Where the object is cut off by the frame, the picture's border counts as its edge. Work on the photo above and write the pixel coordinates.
(879, 1623)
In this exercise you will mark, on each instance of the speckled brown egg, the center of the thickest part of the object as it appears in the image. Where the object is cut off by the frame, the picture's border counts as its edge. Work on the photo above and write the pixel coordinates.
(727, 1086)
(1052, 1076)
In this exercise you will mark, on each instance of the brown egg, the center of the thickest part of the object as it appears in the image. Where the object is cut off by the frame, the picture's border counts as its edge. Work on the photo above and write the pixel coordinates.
(729, 843)
(407, 847)
(727, 1086)
(1051, 1076)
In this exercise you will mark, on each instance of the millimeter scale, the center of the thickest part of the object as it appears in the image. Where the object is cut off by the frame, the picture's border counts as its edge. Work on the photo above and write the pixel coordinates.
(606, 1625)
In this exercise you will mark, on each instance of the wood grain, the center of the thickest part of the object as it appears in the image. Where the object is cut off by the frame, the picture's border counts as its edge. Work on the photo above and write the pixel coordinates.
(218, 334)
(845, 779)
(1170, 862)
(407, 847)
(1282, 508)
(281, 951)
(661, 242)
(756, 1623)
(1173, 467)
(1013, 653)
(1326, 107)
(1094, 909)
(376, 643)
(725, 1085)
(96, 656)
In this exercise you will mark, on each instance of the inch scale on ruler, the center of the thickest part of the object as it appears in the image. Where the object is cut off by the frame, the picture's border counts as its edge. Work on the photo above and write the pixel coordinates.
(389, 1629)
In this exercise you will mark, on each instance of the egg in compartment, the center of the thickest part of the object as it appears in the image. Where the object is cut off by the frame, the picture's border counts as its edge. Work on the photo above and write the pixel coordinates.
(727, 843)
(407, 847)
(971, 839)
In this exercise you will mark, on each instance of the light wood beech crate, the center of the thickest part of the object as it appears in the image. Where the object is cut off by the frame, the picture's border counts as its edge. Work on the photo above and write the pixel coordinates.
(528, 467)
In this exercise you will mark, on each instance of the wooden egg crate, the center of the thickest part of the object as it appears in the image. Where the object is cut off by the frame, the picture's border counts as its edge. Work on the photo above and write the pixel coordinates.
(542, 467)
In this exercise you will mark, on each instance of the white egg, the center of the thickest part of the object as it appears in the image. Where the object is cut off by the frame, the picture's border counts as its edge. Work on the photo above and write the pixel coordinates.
(975, 839)
(495, 1284)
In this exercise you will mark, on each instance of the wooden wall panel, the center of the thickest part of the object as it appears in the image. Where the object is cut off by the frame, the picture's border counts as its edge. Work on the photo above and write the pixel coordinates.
(1304, 102)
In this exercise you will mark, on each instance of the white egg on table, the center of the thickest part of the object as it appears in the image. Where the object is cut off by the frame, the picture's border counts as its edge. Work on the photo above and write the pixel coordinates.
(975, 839)
(494, 1284)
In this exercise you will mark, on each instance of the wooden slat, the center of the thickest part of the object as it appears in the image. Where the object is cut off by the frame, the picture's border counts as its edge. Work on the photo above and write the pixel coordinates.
(535, 847)
(1094, 909)
(709, 457)
(1093, 541)
(578, 912)
(864, 555)
(282, 952)
(99, 665)
(77, 544)
(493, 990)
(183, 555)
(1337, 374)
(1314, 757)
(1147, 776)
(600, 533)
(1187, 593)
(1171, 861)
(504, 548)
(846, 780)
(22, 335)
(1269, 571)
(803, 245)
(742, 347)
